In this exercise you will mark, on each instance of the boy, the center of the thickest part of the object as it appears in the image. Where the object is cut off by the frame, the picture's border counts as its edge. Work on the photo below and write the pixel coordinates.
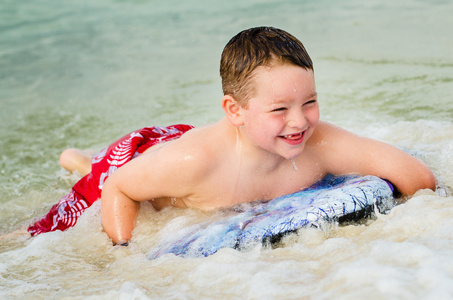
(269, 143)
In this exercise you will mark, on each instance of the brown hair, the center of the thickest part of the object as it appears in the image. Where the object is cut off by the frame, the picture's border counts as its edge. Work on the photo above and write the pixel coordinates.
(254, 47)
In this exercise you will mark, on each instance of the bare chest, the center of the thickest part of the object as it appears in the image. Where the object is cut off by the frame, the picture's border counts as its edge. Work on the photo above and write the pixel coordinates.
(228, 188)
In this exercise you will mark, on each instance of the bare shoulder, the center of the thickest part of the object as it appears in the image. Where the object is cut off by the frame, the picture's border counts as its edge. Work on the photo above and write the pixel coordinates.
(328, 132)
(196, 151)
(188, 157)
(329, 140)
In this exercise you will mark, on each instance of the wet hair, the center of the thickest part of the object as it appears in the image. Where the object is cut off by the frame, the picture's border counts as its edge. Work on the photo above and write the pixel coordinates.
(255, 47)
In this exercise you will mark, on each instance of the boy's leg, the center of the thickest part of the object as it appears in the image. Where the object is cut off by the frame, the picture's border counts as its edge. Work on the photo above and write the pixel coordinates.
(76, 160)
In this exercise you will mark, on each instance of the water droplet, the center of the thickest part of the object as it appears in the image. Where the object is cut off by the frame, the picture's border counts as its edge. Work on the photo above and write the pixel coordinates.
(294, 164)
(173, 201)
(238, 142)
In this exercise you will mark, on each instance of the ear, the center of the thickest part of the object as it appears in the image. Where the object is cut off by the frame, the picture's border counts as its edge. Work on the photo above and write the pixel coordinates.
(233, 110)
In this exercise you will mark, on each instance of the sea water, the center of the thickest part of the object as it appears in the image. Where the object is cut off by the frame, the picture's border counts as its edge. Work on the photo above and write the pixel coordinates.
(83, 73)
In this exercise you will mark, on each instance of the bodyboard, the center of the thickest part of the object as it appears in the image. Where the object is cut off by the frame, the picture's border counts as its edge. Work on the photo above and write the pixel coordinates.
(334, 199)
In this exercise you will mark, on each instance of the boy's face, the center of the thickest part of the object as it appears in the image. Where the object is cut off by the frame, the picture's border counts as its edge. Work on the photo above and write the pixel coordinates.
(283, 112)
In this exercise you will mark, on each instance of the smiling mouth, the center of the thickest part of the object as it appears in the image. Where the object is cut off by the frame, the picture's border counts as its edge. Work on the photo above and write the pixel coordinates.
(293, 138)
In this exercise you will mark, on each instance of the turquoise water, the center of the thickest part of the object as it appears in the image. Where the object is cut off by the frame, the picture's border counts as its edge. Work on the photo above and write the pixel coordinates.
(81, 74)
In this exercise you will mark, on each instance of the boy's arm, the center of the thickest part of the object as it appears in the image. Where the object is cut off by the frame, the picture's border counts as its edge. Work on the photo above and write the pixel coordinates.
(152, 175)
(345, 152)
(119, 210)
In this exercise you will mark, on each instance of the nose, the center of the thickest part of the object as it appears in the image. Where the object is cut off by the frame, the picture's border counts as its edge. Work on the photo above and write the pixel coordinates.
(297, 119)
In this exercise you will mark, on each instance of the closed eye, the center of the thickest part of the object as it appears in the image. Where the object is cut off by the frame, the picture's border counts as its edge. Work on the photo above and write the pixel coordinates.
(278, 109)
(310, 102)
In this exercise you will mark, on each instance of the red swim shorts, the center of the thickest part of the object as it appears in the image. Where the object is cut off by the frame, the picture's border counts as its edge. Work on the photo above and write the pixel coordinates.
(87, 190)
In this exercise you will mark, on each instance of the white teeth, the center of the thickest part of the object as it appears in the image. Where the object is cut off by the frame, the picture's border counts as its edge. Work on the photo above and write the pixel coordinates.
(292, 135)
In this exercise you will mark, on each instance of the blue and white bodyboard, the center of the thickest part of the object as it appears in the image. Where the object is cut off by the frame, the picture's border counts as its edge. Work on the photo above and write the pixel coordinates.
(334, 199)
